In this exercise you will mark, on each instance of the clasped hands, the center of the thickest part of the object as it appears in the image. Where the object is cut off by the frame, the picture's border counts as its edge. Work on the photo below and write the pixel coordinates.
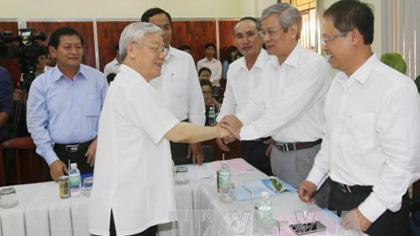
(232, 124)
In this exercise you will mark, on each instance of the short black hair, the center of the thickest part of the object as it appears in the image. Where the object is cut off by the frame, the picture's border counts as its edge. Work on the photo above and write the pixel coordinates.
(207, 45)
(154, 11)
(204, 69)
(255, 20)
(110, 77)
(117, 47)
(204, 82)
(350, 14)
(63, 31)
(230, 50)
(184, 47)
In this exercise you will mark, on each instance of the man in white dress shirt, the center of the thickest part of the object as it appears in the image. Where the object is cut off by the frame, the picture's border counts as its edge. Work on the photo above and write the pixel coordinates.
(288, 103)
(179, 87)
(114, 65)
(134, 186)
(243, 77)
(212, 63)
(370, 150)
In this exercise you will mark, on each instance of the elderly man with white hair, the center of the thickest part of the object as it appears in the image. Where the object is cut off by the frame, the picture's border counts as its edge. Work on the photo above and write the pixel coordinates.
(133, 190)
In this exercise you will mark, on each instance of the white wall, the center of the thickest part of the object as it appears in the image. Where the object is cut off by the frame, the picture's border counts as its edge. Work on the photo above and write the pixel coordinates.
(376, 5)
(41, 9)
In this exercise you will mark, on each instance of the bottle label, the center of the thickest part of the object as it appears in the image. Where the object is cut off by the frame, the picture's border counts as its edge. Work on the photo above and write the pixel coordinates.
(224, 177)
(265, 214)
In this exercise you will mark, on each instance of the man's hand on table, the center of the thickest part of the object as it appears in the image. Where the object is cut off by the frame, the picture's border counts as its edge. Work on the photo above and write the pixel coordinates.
(58, 169)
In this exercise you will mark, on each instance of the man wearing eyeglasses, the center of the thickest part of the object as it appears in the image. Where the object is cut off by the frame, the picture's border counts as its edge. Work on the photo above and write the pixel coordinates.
(370, 151)
(288, 105)
(179, 87)
(134, 185)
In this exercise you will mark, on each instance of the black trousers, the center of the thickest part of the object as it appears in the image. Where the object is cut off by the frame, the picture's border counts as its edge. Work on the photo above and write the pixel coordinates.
(179, 153)
(75, 157)
(151, 231)
(254, 153)
(389, 223)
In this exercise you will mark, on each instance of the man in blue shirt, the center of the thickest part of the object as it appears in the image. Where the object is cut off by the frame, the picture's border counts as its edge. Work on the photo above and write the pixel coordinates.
(64, 105)
(6, 102)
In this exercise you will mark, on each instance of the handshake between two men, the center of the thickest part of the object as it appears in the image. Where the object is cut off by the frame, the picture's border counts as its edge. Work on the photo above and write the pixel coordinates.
(234, 126)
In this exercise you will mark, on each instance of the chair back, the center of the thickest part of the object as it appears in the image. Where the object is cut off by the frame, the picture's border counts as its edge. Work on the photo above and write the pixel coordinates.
(20, 152)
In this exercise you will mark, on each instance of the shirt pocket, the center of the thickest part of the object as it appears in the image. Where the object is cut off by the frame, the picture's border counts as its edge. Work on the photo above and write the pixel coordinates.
(93, 105)
(360, 130)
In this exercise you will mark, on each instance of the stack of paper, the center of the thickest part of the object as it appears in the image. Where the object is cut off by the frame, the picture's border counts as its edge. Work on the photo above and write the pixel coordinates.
(237, 166)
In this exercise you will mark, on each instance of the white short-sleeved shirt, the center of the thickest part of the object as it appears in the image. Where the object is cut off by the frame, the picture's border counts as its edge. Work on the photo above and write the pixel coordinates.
(133, 167)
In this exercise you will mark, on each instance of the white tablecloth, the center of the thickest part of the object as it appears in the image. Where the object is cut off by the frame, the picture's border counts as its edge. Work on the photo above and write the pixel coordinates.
(41, 211)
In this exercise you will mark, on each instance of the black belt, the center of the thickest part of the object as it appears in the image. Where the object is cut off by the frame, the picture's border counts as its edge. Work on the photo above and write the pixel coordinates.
(288, 147)
(352, 188)
(73, 147)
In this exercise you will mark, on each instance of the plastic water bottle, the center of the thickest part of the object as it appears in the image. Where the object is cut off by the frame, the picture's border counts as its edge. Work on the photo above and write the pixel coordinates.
(75, 181)
(226, 187)
(264, 214)
(212, 116)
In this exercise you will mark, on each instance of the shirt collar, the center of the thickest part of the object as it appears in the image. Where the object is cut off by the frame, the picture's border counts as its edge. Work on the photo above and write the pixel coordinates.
(207, 60)
(260, 62)
(131, 72)
(169, 53)
(57, 74)
(293, 59)
(362, 74)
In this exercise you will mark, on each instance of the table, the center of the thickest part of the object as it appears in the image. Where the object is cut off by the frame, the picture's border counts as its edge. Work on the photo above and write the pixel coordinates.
(41, 211)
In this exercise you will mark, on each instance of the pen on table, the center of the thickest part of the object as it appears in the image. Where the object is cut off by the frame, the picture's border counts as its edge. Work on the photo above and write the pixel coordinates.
(246, 189)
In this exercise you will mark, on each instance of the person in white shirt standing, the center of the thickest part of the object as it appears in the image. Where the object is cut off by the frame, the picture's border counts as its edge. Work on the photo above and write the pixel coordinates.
(212, 63)
(114, 65)
(179, 88)
(243, 77)
(288, 103)
(371, 150)
(134, 185)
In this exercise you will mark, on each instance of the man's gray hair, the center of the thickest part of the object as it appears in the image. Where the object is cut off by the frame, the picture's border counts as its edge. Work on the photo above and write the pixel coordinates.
(135, 32)
(289, 15)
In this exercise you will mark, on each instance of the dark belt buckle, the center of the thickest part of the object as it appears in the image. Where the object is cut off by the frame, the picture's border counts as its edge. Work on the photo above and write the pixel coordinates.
(72, 148)
(345, 188)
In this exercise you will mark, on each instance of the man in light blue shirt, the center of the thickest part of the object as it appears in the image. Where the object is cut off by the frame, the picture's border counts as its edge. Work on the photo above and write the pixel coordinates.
(64, 105)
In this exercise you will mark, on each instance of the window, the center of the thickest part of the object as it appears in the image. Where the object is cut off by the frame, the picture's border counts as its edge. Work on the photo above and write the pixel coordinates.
(401, 30)
(309, 26)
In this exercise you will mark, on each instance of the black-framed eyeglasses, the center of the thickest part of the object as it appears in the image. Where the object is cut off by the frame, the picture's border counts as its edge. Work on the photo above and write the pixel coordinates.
(342, 34)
